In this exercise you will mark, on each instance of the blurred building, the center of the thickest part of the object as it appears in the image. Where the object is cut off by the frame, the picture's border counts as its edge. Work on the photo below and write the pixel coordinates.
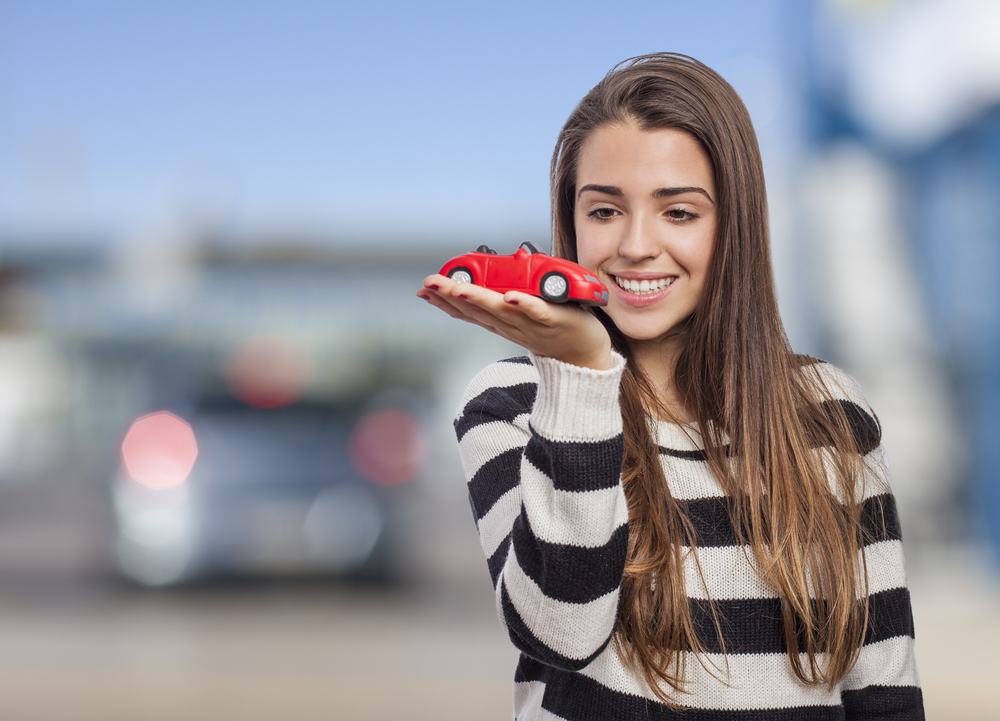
(901, 190)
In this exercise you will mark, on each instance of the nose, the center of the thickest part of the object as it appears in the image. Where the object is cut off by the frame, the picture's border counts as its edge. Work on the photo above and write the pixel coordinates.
(637, 242)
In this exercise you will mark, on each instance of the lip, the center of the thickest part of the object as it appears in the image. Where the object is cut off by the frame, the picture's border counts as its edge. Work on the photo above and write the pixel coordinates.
(639, 301)
(647, 275)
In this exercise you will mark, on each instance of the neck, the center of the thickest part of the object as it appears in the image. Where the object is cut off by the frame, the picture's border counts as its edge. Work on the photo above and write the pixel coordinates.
(657, 358)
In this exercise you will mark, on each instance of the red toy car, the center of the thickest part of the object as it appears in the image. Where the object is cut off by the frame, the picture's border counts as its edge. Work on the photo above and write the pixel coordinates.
(528, 270)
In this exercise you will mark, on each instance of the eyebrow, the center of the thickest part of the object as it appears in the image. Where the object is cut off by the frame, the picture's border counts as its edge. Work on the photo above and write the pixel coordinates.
(658, 193)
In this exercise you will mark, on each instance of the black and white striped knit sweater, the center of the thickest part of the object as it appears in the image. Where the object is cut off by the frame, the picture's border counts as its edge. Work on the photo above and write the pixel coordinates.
(541, 444)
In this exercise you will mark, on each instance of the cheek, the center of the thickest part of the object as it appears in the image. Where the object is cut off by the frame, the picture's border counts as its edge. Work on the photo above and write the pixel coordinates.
(702, 261)
(585, 256)
(588, 250)
(698, 255)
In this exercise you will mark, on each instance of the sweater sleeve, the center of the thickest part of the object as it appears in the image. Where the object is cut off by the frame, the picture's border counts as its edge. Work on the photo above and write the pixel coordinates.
(884, 683)
(541, 445)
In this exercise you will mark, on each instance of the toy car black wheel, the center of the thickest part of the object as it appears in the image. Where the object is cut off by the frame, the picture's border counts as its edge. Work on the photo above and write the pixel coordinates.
(555, 287)
(460, 275)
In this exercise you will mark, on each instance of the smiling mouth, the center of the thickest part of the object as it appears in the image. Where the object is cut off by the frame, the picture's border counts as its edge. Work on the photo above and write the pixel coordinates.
(644, 287)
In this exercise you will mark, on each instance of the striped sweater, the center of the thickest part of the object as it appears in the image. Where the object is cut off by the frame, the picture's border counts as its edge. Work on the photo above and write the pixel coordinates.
(541, 444)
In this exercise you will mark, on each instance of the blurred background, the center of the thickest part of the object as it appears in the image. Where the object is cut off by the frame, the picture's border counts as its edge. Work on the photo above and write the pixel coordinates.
(229, 486)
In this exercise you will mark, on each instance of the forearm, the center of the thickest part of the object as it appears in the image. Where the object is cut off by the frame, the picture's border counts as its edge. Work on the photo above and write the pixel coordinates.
(557, 556)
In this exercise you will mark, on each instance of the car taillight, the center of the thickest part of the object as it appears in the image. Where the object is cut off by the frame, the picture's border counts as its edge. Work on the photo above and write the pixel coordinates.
(387, 447)
(268, 371)
(159, 450)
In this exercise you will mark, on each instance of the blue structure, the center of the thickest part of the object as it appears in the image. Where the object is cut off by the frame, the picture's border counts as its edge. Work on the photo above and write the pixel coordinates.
(950, 208)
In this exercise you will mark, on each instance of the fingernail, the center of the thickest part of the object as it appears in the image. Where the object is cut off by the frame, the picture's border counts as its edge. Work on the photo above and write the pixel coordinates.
(434, 287)
(463, 297)
(512, 302)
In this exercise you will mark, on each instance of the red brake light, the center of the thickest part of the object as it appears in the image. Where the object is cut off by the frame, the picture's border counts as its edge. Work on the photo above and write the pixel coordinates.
(159, 450)
(387, 446)
(268, 371)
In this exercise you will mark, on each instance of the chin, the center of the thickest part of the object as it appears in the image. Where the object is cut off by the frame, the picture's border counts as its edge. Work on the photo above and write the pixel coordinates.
(643, 332)
(640, 329)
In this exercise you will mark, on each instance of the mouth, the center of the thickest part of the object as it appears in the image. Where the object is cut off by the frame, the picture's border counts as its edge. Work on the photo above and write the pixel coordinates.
(645, 286)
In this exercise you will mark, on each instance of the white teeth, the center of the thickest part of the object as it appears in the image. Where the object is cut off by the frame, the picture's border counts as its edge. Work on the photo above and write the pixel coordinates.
(644, 287)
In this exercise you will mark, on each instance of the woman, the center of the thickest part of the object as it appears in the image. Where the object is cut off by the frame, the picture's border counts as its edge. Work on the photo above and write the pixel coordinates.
(682, 518)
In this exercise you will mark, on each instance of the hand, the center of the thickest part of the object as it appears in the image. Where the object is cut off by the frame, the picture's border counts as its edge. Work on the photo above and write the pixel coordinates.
(563, 331)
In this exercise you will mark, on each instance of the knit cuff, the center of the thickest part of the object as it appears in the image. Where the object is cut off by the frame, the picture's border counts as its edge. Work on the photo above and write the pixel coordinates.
(576, 403)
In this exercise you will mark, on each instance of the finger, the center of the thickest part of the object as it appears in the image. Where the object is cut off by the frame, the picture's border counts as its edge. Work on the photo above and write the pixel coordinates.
(472, 313)
(469, 297)
(434, 282)
(445, 304)
(529, 305)
(542, 311)
(438, 286)
(508, 323)
(514, 315)
(491, 307)
(449, 287)
(456, 312)
(490, 323)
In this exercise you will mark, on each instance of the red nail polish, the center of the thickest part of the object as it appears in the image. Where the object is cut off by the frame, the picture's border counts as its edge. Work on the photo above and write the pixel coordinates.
(434, 287)
(512, 302)
(463, 297)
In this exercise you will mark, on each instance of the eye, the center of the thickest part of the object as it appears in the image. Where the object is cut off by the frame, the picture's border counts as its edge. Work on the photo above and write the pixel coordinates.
(602, 213)
(680, 215)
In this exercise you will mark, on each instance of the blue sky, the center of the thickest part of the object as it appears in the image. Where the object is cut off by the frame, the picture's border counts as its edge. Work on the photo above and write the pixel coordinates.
(387, 121)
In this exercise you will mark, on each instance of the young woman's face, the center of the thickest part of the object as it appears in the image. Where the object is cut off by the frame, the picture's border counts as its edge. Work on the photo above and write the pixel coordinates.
(645, 222)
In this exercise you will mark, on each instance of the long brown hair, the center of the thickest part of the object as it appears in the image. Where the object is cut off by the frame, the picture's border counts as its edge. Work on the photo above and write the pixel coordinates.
(760, 411)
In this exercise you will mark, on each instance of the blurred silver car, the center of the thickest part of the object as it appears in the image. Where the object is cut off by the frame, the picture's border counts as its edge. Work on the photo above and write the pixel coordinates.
(232, 489)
